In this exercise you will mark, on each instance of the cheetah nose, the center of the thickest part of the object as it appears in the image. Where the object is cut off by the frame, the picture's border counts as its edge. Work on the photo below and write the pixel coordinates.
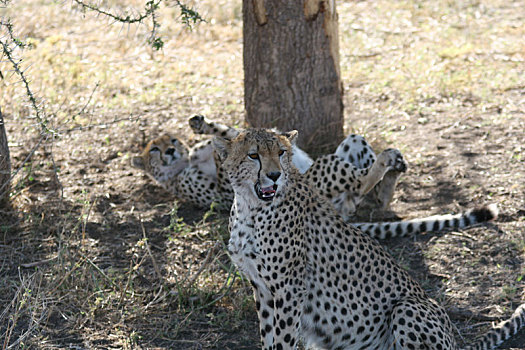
(274, 175)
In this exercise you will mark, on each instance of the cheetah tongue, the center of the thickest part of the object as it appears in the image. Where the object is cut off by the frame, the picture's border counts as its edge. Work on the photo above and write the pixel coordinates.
(265, 193)
(268, 191)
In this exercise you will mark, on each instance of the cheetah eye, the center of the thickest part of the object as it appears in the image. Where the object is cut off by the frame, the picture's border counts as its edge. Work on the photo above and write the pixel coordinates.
(281, 152)
(154, 149)
(253, 155)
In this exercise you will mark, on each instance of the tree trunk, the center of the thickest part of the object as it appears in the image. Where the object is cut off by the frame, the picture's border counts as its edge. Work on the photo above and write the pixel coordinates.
(291, 70)
(5, 163)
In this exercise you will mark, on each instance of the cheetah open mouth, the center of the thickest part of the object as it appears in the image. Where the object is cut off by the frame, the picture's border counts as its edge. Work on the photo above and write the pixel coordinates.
(265, 193)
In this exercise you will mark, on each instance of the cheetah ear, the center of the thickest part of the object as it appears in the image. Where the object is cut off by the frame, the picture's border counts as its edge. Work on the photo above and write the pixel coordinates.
(292, 136)
(221, 146)
(138, 162)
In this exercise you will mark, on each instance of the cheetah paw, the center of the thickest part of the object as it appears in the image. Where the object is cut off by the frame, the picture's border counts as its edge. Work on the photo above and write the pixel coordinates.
(196, 123)
(394, 160)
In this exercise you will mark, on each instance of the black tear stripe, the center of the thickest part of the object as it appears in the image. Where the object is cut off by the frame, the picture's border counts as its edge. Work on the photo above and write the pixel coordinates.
(260, 166)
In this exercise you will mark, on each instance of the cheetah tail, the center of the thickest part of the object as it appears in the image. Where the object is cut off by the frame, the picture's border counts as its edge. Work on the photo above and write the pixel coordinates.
(501, 332)
(382, 230)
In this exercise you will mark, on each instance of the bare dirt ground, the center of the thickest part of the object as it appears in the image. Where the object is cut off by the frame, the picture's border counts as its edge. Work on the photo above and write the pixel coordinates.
(94, 255)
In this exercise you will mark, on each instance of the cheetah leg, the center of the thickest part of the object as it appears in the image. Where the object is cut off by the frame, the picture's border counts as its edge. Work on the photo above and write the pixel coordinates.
(384, 190)
(264, 305)
(417, 323)
(342, 182)
(286, 321)
(390, 159)
(357, 151)
(201, 151)
(202, 157)
(366, 179)
(202, 125)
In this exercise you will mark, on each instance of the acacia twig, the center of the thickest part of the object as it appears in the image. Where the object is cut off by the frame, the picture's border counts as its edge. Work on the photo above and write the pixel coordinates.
(151, 6)
(17, 68)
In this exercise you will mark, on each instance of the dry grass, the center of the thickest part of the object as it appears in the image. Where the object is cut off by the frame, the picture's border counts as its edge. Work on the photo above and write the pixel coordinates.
(92, 255)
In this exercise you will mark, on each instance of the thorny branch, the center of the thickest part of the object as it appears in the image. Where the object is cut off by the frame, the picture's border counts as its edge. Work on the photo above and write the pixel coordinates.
(188, 16)
(8, 47)
(150, 8)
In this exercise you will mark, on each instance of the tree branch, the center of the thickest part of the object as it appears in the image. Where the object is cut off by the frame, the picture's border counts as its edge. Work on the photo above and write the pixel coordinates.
(188, 16)
(16, 64)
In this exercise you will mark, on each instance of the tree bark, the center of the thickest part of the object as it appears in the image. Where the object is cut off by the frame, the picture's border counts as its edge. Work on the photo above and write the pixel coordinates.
(291, 70)
(5, 164)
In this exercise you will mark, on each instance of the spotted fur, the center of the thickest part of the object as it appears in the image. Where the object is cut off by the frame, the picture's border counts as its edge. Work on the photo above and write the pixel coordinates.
(316, 278)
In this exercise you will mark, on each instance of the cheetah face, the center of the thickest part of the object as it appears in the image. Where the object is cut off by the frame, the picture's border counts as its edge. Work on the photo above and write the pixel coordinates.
(266, 185)
(163, 158)
(257, 161)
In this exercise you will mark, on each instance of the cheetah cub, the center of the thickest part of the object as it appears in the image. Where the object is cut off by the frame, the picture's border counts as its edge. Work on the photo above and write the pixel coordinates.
(317, 279)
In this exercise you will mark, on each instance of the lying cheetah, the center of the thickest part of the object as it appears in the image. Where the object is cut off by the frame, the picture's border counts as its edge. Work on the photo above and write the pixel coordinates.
(167, 160)
(192, 175)
(316, 278)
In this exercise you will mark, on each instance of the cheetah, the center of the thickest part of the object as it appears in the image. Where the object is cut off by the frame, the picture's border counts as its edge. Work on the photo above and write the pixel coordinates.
(192, 175)
(168, 161)
(317, 279)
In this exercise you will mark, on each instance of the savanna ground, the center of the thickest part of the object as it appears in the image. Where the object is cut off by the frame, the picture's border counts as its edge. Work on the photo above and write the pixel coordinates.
(95, 255)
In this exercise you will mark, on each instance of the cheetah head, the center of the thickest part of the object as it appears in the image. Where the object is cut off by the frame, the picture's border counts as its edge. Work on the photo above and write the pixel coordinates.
(163, 158)
(257, 161)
